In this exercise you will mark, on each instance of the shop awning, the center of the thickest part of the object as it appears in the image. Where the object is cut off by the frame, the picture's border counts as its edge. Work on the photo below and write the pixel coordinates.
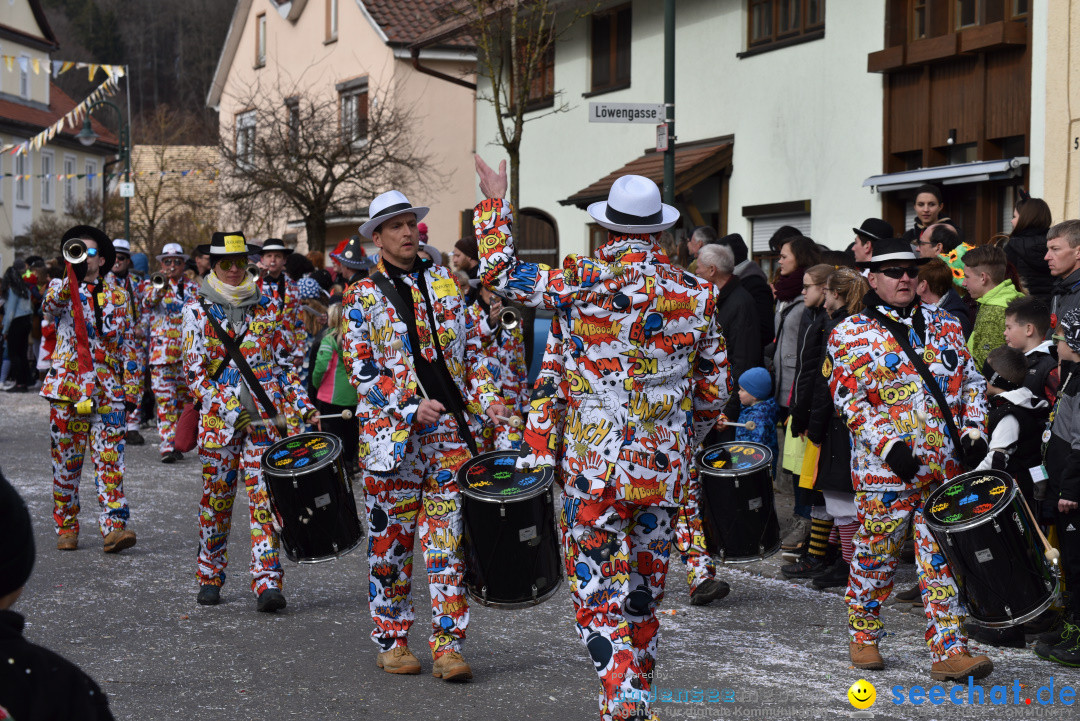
(693, 164)
(978, 172)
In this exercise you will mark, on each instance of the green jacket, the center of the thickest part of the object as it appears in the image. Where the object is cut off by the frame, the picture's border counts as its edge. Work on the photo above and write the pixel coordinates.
(330, 352)
(989, 330)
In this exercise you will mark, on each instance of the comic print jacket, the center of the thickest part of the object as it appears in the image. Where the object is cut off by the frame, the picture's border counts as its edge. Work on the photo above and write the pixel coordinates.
(162, 310)
(387, 394)
(285, 294)
(113, 379)
(507, 349)
(264, 347)
(877, 391)
(133, 286)
(645, 370)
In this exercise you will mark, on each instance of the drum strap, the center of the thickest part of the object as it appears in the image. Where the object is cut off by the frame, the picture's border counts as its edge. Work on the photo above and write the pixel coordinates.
(237, 356)
(900, 333)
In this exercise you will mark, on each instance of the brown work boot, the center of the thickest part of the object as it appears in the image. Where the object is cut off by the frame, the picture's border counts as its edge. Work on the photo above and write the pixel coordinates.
(67, 541)
(865, 656)
(118, 540)
(398, 660)
(451, 666)
(959, 666)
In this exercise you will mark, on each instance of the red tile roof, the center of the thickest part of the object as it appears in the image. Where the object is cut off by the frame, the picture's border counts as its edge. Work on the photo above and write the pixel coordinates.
(693, 163)
(37, 119)
(404, 21)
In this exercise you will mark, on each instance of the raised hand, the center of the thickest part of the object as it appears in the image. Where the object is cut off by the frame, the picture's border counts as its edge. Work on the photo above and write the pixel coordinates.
(492, 184)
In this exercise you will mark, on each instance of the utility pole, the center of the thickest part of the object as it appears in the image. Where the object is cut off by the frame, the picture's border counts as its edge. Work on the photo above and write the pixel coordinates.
(669, 100)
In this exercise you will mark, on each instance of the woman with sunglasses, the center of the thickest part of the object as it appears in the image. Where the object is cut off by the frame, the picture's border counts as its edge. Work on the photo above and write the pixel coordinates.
(235, 427)
(902, 446)
(162, 306)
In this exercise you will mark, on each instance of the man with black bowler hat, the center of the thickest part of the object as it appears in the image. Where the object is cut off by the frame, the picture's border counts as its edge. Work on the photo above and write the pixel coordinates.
(35, 683)
(414, 355)
(872, 229)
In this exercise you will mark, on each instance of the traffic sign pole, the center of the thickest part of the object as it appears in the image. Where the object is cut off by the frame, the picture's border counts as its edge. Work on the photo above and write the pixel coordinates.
(669, 100)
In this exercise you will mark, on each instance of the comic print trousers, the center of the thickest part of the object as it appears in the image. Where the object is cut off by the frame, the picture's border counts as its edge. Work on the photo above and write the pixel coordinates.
(222, 469)
(72, 435)
(170, 395)
(884, 517)
(616, 554)
(690, 536)
(422, 492)
(134, 416)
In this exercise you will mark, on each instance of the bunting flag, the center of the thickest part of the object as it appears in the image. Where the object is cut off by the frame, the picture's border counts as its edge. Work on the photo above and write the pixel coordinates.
(201, 174)
(59, 67)
(73, 118)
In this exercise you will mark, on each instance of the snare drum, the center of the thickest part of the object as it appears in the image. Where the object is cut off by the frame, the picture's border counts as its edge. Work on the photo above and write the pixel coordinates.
(311, 497)
(737, 511)
(511, 551)
(992, 548)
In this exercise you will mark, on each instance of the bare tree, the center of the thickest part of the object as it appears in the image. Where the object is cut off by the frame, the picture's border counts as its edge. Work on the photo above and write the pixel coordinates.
(312, 157)
(43, 236)
(515, 43)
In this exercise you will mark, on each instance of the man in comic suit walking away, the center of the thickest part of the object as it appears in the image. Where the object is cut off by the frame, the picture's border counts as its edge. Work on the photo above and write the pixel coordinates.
(90, 388)
(644, 377)
(414, 356)
(241, 399)
(902, 449)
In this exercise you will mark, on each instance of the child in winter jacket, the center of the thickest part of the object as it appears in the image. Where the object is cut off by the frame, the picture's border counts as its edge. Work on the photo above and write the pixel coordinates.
(755, 393)
(335, 392)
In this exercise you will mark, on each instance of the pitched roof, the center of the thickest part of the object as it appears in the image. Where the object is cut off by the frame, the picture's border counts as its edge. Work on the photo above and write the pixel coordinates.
(693, 163)
(46, 41)
(33, 119)
(404, 21)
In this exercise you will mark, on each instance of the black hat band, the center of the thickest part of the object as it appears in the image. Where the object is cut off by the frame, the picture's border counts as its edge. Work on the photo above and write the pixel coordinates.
(617, 216)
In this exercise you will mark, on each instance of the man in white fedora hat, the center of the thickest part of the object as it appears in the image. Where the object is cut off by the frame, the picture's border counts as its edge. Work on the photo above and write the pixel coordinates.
(645, 377)
(164, 295)
(419, 406)
(122, 276)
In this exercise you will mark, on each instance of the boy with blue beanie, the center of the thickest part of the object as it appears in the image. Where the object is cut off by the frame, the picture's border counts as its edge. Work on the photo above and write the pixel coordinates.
(759, 406)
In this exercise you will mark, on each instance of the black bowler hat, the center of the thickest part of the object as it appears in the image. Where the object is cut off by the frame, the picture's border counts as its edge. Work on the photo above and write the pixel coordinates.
(104, 244)
(889, 250)
(229, 243)
(275, 244)
(874, 230)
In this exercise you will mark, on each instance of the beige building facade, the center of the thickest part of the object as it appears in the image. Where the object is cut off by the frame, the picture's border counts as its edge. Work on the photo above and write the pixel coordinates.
(1056, 97)
(356, 52)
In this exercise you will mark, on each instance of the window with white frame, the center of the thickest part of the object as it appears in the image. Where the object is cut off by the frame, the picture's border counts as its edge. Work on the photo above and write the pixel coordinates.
(354, 109)
(69, 182)
(91, 179)
(22, 180)
(260, 40)
(245, 139)
(24, 77)
(48, 180)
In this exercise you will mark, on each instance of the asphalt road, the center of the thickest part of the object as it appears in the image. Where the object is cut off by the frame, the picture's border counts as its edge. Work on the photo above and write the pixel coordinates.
(772, 649)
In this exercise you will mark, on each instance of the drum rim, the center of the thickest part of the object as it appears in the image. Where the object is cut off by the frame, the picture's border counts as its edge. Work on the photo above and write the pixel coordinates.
(538, 490)
(1029, 616)
(731, 472)
(514, 605)
(982, 520)
(292, 472)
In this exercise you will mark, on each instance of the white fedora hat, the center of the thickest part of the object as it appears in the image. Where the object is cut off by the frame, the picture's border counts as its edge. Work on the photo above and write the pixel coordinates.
(172, 250)
(633, 206)
(388, 205)
(121, 245)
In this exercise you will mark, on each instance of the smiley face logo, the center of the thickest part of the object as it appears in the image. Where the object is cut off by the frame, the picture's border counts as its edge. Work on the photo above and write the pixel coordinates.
(862, 694)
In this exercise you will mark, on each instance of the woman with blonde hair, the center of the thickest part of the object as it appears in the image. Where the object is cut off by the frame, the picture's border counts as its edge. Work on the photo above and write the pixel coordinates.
(334, 391)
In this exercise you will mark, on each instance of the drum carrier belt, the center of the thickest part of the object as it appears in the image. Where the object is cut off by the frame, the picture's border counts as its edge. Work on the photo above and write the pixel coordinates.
(233, 349)
(900, 332)
(391, 294)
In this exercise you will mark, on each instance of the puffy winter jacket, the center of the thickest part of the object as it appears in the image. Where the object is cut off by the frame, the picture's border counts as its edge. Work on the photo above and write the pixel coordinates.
(1027, 251)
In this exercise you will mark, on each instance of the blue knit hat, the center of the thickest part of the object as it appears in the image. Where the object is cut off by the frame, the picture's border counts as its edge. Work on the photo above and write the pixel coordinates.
(757, 382)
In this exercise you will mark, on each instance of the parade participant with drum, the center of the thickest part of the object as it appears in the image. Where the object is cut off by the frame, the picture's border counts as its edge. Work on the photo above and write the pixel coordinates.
(163, 300)
(645, 379)
(122, 276)
(902, 378)
(414, 356)
(89, 387)
(237, 358)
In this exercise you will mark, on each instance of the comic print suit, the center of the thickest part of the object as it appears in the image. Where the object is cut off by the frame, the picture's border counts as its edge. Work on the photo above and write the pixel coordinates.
(109, 385)
(877, 391)
(134, 289)
(644, 374)
(409, 470)
(285, 295)
(504, 353)
(162, 308)
(226, 453)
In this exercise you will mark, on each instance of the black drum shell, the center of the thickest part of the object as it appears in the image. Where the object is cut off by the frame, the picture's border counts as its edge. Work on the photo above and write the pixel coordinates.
(314, 508)
(738, 512)
(510, 546)
(997, 559)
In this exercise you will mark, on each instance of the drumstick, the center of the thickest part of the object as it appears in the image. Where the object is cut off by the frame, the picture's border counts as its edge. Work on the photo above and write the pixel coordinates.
(1052, 554)
(397, 345)
(344, 415)
(749, 425)
(514, 421)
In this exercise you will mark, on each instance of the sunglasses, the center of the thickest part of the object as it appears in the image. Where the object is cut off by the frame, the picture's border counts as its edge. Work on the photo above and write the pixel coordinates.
(91, 252)
(228, 264)
(898, 273)
(172, 261)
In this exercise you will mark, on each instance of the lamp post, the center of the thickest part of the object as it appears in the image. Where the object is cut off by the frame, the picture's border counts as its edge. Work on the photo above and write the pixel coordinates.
(88, 137)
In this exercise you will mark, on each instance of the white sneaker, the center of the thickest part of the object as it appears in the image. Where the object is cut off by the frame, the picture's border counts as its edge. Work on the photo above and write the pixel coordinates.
(7, 384)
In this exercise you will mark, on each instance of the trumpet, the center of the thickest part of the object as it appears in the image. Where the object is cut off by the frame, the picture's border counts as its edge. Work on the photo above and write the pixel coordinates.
(510, 318)
(253, 270)
(158, 280)
(74, 251)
